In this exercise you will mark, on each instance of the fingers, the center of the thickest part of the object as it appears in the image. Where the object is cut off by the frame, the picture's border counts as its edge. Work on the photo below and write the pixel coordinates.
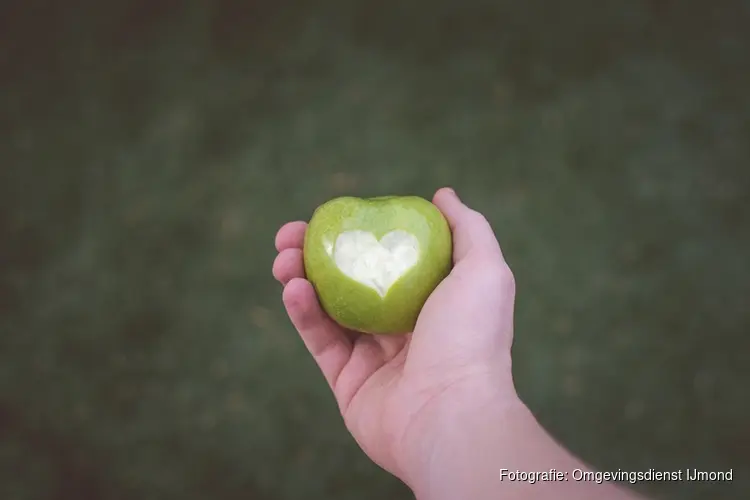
(288, 265)
(289, 242)
(291, 235)
(472, 234)
(326, 341)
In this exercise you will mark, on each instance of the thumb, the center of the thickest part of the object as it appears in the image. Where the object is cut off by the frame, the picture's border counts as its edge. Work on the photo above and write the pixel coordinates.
(472, 233)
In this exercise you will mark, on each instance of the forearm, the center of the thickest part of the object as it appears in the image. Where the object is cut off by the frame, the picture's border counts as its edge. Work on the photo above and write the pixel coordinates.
(467, 462)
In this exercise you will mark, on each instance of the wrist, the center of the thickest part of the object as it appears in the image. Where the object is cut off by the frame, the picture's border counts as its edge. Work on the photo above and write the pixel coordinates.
(465, 461)
(473, 447)
(463, 427)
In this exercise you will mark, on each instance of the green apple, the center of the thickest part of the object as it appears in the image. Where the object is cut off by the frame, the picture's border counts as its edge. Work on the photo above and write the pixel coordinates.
(374, 262)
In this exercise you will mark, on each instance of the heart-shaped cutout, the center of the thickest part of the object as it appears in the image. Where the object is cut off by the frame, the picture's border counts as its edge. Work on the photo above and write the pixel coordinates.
(376, 264)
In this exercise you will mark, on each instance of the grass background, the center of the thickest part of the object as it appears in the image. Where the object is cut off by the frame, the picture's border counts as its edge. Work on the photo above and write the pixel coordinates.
(149, 151)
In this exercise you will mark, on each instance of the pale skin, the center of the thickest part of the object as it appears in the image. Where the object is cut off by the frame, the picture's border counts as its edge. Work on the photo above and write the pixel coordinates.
(438, 408)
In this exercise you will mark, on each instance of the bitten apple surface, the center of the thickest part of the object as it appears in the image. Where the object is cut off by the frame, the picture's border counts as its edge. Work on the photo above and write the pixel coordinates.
(374, 262)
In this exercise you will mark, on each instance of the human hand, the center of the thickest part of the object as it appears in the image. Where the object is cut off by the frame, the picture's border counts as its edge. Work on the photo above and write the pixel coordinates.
(398, 394)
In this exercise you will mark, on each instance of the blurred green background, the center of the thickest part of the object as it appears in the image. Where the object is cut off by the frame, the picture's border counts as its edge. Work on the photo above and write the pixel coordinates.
(150, 149)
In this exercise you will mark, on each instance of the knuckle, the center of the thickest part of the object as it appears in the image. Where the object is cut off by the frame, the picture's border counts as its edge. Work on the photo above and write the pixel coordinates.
(478, 217)
(509, 279)
(496, 275)
(504, 278)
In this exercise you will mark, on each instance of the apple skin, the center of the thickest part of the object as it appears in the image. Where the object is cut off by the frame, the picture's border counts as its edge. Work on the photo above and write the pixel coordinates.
(354, 305)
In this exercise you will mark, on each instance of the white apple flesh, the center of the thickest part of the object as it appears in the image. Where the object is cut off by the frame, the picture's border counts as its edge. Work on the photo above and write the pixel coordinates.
(377, 264)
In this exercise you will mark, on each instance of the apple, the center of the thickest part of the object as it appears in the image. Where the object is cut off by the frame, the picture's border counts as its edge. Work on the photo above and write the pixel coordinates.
(374, 262)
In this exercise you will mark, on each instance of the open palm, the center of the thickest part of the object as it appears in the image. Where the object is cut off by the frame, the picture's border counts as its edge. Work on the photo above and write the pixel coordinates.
(391, 389)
